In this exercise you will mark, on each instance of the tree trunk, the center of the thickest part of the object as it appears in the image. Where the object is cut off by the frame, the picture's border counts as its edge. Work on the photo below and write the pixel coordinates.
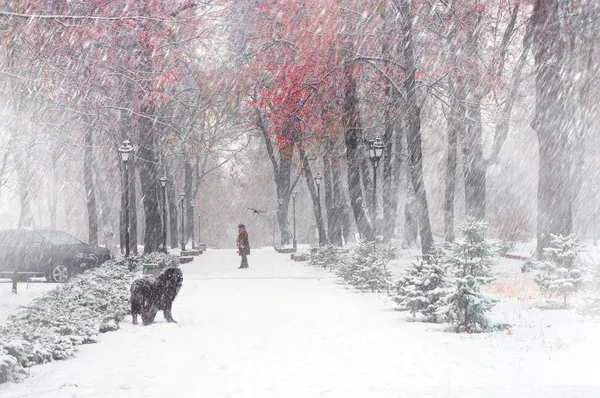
(340, 220)
(337, 204)
(105, 197)
(334, 232)
(281, 173)
(310, 183)
(411, 217)
(352, 136)
(456, 126)
(339, 198)
(413, 124)
(149, 174)
(188, 188)
(367, 180)
(474, 164)
(283, 185)
(122, 211)
(88, 178)
(24, 178)
(392, 167)
(282, 219)
(174, 211)
(133, 219)
(392, 138)
(551, 123)
(26, 215)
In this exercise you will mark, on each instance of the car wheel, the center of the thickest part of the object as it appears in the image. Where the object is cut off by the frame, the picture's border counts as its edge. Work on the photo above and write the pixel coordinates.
(58, 273)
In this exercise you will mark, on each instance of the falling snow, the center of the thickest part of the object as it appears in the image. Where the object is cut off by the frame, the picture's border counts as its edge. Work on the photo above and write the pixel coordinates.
(345, 125)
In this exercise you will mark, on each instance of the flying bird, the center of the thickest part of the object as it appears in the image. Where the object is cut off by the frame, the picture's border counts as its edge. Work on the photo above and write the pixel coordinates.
(256, 211)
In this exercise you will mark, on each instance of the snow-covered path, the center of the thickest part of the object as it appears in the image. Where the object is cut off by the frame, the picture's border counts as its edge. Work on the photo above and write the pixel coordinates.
(282, 329)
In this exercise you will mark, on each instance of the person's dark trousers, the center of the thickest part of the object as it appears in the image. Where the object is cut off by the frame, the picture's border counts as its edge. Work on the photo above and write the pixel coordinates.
(244, 261)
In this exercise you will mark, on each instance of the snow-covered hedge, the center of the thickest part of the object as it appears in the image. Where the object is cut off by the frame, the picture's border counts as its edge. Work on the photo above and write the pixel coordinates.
(72, 314)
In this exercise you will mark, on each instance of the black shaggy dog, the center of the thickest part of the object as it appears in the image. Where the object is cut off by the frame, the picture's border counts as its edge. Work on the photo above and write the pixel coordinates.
(149, 296)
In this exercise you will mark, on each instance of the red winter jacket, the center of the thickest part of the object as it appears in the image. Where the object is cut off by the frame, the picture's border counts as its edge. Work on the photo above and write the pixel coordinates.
(242, 242)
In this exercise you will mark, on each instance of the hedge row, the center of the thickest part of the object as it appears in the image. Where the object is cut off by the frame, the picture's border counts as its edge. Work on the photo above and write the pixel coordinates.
(52, 325)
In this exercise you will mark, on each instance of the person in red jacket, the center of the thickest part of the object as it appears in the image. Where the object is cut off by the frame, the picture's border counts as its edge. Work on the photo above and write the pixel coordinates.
(243, 245)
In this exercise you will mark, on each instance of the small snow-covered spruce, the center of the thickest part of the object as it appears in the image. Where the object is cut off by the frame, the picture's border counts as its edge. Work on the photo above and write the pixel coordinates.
(466, 307)
(559, 273)
(471, 264)
(366, 267)
(422, 287)
(591, 306)
(473, 255)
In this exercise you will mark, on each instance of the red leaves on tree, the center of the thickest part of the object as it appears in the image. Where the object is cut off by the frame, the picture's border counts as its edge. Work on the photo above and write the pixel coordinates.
(293, 59)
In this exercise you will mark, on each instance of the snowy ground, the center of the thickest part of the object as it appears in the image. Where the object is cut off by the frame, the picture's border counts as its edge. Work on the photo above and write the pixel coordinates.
(283, 329)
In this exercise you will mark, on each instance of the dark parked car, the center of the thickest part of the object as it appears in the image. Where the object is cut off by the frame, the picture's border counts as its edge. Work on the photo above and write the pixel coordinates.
(47, 252)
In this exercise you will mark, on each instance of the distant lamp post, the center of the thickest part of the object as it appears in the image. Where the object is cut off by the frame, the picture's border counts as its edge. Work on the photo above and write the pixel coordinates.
(192, 204)
(318, 179)
(595, 206)
(163, 183)
(294, 194)
(278, 214)
(125, 151)
(182, 196)
(376, 148)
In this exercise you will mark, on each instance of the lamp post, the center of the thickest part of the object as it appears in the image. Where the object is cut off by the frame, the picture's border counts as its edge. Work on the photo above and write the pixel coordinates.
(163, 183)
(318, 179)
(199, 239)
(294, 194)
(192, 204)
(595, 227)
(125, 150)
(182, 196)
(376, 148)
(278, 214)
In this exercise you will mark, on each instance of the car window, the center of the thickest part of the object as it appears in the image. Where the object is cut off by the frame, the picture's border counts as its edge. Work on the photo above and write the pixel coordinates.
(59, 238)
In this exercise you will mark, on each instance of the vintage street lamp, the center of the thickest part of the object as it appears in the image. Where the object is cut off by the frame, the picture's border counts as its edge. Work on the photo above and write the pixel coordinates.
(125, 150)
(192, 204)
(294, 194)
(163, 183)
(318, 179)
(595, 235)
(182, 196)
(376, 148)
